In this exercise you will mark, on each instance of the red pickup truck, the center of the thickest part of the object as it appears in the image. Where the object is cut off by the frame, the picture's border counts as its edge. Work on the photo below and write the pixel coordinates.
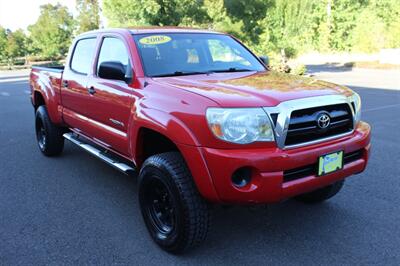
(201, 120)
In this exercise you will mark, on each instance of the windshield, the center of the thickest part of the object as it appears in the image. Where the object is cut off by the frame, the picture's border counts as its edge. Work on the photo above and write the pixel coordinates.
(176, 54)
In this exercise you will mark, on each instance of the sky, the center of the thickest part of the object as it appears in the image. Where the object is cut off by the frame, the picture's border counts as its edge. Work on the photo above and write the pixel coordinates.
(15, 14)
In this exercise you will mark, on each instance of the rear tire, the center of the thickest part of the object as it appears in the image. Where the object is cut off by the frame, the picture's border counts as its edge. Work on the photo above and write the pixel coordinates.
(49, 137)
(176, 216)
(321, 194)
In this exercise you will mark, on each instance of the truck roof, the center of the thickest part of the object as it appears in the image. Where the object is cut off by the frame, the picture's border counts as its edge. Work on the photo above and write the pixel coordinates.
(152, 29)
(155, 29)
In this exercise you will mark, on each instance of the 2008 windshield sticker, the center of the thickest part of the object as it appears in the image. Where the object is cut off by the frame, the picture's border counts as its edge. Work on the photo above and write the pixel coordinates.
(155, 39)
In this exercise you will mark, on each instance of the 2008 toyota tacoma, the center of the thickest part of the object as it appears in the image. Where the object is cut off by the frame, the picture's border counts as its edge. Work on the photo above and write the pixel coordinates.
(201, 120)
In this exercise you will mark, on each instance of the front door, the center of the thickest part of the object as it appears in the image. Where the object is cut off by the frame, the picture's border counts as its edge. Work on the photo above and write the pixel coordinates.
(111, 100)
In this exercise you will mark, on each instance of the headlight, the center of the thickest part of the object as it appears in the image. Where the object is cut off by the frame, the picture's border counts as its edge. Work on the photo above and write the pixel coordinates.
(356, 102)
(240, 125)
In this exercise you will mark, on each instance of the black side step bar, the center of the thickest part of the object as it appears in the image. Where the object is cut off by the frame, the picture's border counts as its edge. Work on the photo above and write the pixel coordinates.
(102, 155)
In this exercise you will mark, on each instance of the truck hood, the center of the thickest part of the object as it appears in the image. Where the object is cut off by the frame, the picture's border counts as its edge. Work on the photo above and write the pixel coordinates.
(250, 89)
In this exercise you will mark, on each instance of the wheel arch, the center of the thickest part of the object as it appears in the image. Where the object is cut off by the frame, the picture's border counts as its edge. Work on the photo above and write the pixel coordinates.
(38, 99)
(45, 94)
(150, 142)
(191, 154)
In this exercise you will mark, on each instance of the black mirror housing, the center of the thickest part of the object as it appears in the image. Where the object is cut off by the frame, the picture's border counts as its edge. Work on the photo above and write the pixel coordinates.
(264, 59)
(112, 70)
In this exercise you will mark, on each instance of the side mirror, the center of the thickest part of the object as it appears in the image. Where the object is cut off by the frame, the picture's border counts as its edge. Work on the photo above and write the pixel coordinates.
(264, 59)
(112, 70)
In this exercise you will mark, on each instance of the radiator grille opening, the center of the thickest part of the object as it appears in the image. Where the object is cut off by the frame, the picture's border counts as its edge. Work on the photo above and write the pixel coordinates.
(303, 126)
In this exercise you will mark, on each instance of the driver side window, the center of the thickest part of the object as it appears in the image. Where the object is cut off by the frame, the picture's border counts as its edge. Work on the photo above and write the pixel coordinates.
(114, 50)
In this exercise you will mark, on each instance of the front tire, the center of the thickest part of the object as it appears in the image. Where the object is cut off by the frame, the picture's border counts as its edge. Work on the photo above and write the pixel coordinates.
(49, 137)
(176, 216)
(321, 194)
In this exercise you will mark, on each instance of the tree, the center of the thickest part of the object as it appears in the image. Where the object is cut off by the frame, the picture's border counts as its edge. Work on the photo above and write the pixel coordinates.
(287, 26)
(16, 45)
(51, 34)
(393, 33)
(344, 21)
(368, 35)
(249, 13)
(89, 15)
(388, 12)
(3, 43)
(220, 20)
(154, 12)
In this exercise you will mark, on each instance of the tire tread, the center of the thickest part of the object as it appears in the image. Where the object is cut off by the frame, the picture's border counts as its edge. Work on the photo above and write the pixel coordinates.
(321, 194)
(195, 207)
(54, 134)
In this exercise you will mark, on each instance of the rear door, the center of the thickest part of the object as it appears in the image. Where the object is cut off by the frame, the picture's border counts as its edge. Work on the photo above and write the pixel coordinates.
(111, 100)
(74, 93)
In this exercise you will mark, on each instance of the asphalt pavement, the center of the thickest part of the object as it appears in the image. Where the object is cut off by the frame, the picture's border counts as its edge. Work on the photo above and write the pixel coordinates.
(76, 210)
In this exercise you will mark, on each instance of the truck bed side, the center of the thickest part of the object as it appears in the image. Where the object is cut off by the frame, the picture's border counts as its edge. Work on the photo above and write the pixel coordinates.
(45, 83)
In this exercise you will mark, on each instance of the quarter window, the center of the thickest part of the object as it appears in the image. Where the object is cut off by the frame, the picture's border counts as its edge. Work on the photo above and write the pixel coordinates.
(83, 54)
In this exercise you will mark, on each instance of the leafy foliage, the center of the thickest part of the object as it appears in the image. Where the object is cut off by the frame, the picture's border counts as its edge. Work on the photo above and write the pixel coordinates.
(220, 20)
(51, 34)
(287, 26)
(250, 13)
(272, 27)
(16, 44)
(89, 15)
(268, 26)
(388, 14)
(3, 43)
(154, 12)
(368, 34)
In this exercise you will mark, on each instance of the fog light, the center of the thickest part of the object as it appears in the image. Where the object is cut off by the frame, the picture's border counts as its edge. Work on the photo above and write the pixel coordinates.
(241, 177)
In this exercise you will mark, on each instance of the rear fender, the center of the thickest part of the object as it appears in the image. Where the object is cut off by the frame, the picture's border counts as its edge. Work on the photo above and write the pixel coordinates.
(48, 89)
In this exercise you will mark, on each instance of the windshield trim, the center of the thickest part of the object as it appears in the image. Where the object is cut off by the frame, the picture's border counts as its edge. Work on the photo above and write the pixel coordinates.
(203, 33)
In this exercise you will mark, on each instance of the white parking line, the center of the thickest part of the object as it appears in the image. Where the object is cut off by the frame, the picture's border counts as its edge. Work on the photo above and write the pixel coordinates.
(380, 108)
(13, 79)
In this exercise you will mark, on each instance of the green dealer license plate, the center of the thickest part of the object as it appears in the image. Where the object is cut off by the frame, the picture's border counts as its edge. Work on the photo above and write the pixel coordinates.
(330, 163)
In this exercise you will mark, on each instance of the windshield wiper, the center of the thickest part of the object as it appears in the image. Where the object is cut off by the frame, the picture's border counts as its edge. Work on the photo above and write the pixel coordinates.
(180, 73)
(232, 69)
(186, 73)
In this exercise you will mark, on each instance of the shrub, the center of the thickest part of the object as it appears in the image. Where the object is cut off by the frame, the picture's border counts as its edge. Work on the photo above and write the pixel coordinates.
(299, 69)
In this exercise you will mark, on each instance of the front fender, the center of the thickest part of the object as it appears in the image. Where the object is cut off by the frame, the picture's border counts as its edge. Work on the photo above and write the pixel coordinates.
(166, 124)
(176, 131)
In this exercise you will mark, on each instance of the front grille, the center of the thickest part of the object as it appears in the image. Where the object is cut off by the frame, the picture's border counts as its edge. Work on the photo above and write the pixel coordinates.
(303, 126)
(312, 169)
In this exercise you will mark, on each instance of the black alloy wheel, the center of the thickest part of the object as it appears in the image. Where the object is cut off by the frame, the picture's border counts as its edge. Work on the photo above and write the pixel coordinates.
(175, 214)
(159, 207)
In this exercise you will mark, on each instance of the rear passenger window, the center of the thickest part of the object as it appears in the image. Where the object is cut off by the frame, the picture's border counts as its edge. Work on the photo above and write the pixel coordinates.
(83, 54)
(113, 49)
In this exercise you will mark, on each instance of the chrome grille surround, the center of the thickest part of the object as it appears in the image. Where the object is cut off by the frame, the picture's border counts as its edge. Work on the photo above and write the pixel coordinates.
(285, 109)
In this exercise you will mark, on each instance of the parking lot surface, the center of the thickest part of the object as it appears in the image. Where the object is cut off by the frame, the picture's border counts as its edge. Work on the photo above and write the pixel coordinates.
(75, 209)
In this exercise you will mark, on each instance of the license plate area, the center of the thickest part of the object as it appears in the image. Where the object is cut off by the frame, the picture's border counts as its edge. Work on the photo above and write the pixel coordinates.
(330, 163)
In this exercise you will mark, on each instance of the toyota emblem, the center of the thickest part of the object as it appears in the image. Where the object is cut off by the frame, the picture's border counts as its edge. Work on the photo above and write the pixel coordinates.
(323, 120)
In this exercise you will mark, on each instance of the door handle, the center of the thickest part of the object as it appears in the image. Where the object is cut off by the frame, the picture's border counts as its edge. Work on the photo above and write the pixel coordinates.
(91, 90)
(65, 83)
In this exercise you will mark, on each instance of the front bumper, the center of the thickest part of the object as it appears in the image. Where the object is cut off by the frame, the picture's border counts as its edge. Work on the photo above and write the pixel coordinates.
(268, 167)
